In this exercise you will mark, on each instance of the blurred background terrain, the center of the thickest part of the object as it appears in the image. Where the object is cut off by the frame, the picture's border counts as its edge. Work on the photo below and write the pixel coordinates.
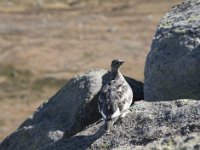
(44, 43)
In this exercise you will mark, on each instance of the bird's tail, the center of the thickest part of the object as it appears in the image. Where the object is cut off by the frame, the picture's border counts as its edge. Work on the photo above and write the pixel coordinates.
(108, 124)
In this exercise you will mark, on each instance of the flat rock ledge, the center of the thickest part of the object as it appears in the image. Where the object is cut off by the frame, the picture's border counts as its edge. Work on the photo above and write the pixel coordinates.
(148, 125)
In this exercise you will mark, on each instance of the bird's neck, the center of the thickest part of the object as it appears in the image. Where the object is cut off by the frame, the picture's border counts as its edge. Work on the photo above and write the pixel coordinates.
(115, 74)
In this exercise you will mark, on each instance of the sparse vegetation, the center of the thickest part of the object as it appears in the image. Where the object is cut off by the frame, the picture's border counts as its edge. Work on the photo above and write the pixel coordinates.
(18, 79)
(20, 94)
(23, 80)
(41, 84)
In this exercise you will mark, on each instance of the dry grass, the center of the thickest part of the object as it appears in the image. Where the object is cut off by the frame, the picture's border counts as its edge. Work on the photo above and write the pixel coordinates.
(41, 47)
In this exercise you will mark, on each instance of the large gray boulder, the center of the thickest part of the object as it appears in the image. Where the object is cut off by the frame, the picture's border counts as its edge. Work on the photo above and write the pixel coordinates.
(172, 68)
(68, 112)
(146, 122)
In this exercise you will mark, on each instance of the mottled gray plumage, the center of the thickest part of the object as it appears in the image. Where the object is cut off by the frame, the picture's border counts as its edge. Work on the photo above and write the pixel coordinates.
(115, 97)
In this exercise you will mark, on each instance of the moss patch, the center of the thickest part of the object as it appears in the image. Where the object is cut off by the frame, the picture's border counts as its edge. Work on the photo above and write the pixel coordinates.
(23, 82)
(18, 79)
(47, 82)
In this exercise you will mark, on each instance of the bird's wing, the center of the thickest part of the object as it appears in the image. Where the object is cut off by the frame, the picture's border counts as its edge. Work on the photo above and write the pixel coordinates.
(114, 98)
(106, 104)
(124, 94)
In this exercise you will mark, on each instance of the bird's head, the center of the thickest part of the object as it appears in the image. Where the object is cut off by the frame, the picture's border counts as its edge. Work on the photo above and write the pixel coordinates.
(116, 63)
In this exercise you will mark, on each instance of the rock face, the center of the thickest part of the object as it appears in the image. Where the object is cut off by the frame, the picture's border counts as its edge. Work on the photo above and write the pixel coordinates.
(188, 142)
(146, 122)
(172, 68)
(68, 112)
(70, 120)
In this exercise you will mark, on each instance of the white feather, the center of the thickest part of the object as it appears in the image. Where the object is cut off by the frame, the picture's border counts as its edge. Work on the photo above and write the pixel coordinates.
(104, 116)
(128, 97)
(116, 113)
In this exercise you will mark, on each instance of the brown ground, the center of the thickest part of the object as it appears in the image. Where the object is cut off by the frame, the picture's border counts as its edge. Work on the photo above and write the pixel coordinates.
(40, 49)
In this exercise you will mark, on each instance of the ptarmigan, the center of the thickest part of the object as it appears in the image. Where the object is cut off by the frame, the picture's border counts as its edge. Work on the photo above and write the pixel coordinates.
(115, 97)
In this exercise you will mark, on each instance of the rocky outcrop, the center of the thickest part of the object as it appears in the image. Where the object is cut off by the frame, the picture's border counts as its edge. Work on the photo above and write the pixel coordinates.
(172, 68)
(146, 122)
(70, 120)
(69, 111)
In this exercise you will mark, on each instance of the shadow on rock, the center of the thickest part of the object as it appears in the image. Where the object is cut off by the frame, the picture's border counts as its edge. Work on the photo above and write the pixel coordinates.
(77, 142)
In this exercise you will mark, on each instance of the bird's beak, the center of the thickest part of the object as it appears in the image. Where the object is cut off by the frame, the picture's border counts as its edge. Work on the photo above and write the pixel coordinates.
(121, 61)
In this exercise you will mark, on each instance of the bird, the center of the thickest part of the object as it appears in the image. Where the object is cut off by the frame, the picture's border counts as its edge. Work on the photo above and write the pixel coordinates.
(115, 97)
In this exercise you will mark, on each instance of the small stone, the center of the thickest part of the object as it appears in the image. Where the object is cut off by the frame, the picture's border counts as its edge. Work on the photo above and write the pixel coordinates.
(55, 135)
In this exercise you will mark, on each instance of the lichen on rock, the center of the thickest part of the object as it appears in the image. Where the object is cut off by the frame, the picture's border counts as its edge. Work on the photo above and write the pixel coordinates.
(172, 68)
